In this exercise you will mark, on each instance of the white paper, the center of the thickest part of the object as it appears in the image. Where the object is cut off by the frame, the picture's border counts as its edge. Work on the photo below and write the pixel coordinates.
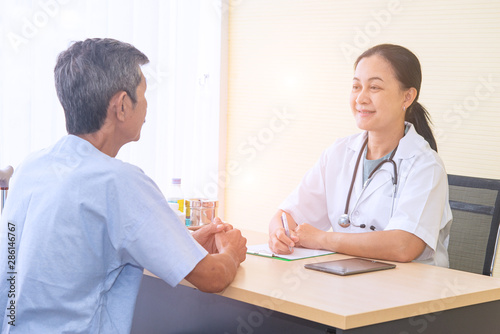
(298, 253)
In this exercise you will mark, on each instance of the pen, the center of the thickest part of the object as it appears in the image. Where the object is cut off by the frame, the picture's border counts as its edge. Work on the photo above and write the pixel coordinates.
(284, 221)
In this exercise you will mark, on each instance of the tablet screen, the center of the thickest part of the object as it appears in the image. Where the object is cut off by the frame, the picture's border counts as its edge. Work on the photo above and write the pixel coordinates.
(349, 266)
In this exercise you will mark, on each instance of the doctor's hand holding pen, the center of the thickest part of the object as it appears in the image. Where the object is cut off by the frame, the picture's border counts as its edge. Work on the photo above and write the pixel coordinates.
(304, 235)
(282, 236)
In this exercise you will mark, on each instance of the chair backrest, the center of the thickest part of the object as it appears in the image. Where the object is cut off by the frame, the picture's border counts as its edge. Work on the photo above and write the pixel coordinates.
(475, 203)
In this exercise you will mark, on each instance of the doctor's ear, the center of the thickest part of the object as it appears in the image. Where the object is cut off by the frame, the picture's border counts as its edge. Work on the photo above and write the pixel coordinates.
(410, 95)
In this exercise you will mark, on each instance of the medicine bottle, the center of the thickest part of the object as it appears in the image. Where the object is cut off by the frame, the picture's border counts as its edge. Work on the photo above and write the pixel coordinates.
(175, 194)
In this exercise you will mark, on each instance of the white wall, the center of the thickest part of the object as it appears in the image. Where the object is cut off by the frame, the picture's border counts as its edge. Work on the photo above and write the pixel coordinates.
(294, 59)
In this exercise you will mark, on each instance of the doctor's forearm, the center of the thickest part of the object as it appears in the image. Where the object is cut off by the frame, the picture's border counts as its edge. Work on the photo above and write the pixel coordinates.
(396, 245)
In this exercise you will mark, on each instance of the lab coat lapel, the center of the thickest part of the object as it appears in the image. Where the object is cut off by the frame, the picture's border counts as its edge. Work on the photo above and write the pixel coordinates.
(408, 145)
(405, 151)
(355, 146)
(379, 179)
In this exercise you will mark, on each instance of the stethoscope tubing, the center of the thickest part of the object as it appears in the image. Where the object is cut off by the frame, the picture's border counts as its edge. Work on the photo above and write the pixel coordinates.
(368, 181)
(345, 219)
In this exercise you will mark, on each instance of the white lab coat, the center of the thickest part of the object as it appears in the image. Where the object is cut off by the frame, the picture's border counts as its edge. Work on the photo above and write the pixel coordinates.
(421, 204)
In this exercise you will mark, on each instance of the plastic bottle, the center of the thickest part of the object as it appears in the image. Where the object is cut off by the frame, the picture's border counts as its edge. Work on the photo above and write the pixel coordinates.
(187, 206)
(175, 194)
(175, 207)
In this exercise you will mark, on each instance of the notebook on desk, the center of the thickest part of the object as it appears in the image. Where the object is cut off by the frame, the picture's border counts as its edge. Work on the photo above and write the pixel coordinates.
(298, 253)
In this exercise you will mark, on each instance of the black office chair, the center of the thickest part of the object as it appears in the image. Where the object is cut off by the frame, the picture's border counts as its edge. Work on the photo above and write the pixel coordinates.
(475, 203)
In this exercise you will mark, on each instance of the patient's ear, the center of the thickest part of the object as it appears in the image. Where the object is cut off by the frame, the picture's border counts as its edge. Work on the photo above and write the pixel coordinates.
(117, 105)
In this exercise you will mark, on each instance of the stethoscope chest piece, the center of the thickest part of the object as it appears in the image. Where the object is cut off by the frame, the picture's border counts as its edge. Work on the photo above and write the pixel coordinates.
(344, 220)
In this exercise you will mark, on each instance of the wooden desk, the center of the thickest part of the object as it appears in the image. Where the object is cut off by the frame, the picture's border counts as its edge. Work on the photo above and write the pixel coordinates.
(413, 298)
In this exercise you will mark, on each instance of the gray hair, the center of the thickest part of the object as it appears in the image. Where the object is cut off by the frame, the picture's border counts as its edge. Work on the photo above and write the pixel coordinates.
(89, 73)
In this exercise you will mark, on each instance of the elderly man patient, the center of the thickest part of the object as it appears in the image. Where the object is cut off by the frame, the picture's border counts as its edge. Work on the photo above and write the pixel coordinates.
(86, 223)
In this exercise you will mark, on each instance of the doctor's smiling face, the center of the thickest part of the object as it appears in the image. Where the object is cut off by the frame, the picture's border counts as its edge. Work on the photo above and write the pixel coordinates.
(377, 97)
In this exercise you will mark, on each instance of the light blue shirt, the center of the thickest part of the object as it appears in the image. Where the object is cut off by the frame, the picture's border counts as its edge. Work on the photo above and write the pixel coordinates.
(86, 225)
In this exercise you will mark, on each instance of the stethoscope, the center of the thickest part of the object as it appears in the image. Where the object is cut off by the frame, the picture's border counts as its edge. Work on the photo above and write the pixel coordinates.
(345, 219)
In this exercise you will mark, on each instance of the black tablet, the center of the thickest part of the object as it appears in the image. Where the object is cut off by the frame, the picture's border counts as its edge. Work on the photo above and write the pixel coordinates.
(349, 266)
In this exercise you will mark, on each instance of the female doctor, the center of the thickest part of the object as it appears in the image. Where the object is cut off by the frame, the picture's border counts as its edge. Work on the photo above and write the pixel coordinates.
(382, 193)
